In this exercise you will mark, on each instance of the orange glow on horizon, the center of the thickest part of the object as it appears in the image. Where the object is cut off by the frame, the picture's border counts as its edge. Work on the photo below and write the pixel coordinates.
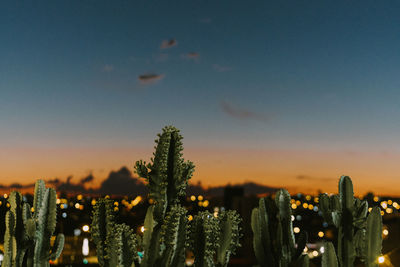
(298, 171)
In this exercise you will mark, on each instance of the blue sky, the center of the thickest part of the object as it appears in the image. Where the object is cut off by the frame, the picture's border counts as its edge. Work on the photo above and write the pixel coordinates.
(302, 75)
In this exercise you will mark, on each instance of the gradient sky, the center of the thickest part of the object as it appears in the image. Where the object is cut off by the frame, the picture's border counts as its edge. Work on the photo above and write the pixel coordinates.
(285, 93)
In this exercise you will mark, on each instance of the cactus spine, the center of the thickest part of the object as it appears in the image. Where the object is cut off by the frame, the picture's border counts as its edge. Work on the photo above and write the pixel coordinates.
(27, 237)
(358, 236)
(273, 241)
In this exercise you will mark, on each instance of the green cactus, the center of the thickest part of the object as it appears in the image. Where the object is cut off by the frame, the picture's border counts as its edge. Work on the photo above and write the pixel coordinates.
(273, 240)
(329, 258)
(373, 246)
(359, 235)
(203, 240)
(116, 244)
(167, 174)
(27, 237)
(166, 224)
(229, 236)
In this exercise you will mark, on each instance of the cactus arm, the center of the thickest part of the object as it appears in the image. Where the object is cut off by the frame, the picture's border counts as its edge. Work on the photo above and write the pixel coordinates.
(301, 244)
(373, 237)
(329, 258)
(102, 225)
(57, 247)
(124, 245)
(258, 245)
(282, 200)
(10, 243)
(229, 236)
(173, 236)
(346, 249)
(204, 239)
(45, 227)
(40, 190)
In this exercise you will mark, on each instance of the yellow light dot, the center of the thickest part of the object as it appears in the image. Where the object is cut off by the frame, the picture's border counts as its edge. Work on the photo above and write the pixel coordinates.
(385, 232)
(85, 228)
(0, 203)
(116, 203)
(200, 203)
(310, 206)
(315, 253)
(396, 205)
(316, 199)
(308, 197)
(190, 217)
(151, 201)
(77, 205)
(116, 209)
(142, 229)
(107, 197)
(305, 249)
(369, 209)
(93, 202)
(8, 205)
(390, 202)
(389, 210)
(381, 259)
(296, 230)
(58, 201)
(136, 200)
(205, 203)
(292, 201)
(294, 206)
(298, 203)
(384, 204)
(32, 209)
(200, 198)
(5, 196)
(382, 212)
(79, 197)
(321, 234)
(305, 205)
(376, 199)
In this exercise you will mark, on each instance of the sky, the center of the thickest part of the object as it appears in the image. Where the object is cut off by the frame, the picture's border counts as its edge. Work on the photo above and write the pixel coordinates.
(290, 94)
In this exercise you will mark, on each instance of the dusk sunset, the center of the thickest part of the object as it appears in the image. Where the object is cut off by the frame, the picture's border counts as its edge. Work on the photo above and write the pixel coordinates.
(266, 95)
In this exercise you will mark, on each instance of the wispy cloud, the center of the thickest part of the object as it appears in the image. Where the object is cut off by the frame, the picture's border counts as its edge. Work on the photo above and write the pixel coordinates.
(108, 68)
(241, 113)
(191, 56)
(220, 68)
(150, 78)
(168, 43)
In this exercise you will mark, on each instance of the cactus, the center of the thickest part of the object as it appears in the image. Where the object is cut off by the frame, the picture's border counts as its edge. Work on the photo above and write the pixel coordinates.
(116, 244)
(166, 224)
(203, 240)
(273, 241)
(359, 236)
(329, 258)
(27, 237)
(373, 238)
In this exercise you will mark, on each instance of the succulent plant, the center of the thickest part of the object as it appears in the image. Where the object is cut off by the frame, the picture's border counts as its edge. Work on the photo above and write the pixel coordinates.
(359, 235)
(166, 228)
(273, 237)
(27, 237)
